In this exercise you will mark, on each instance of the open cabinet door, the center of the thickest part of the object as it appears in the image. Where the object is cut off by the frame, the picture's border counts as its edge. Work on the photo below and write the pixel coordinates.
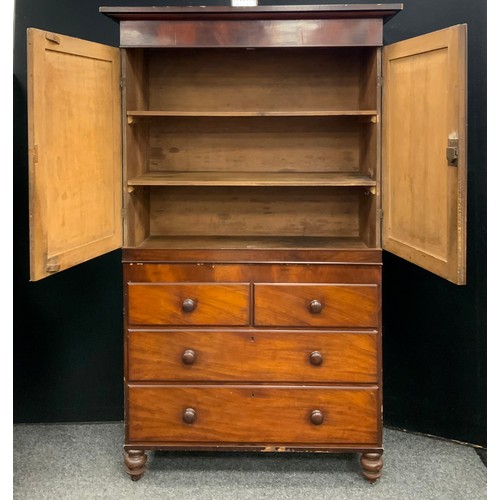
(424, 156)
(74, 135)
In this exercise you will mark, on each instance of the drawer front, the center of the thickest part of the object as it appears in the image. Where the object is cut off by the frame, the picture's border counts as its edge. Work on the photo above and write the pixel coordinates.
(269, 356)
(217, 272)
(188, 304)
(246, 414)
(321, 305)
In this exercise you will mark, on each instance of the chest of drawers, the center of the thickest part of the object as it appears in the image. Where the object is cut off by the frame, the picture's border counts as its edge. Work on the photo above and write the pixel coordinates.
(254, 354)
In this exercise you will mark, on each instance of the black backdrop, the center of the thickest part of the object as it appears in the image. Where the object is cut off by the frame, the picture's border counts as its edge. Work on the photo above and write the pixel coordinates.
(68, 355)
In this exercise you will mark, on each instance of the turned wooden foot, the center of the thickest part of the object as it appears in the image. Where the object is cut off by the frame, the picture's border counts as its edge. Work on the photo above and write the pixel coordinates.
(371, 464)
(135, 463)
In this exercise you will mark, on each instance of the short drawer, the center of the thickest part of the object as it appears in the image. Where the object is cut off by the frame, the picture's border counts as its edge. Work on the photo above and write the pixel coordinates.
(188, 304)
(253, 414)
(267, 356)
(321, 305)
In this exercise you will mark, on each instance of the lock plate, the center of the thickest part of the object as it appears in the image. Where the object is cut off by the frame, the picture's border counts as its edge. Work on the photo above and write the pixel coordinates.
(452, 153)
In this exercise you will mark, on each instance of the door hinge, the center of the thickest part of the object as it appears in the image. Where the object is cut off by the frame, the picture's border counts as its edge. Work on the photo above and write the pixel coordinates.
(380, 213)
(452, 153)
(122, 82)
(380, 81)
(35, 154)
(124, 213)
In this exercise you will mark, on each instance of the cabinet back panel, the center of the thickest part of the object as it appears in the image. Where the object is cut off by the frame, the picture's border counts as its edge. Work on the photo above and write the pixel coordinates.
(306, 212)
(271, 79)
(280, 144)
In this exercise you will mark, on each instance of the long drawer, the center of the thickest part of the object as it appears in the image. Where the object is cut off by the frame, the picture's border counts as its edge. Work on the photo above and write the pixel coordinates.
(252, 355)
(253, 414)
(188, 304)
(320, 305)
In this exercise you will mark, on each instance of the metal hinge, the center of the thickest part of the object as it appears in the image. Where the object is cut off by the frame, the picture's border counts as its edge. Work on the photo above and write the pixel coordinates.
(452, 153)
(124, 213)
(35, 154)
(380, 81)
(380, 213)
(122, 82)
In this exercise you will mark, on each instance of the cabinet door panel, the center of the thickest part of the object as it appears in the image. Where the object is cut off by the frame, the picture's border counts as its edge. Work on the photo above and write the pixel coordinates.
(75, 151)
(424, 107)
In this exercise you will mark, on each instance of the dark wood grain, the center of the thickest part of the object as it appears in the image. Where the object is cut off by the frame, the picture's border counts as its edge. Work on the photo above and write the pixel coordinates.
(257, 447)
(163, 304)
(338, 11)
(260, 356)
(228, 273)
(253, 414)
(342, 305)
(252, 33)
(221, 255)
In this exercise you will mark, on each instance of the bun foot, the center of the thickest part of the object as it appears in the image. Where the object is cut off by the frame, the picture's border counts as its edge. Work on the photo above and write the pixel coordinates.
(371, 464)
(135, 463)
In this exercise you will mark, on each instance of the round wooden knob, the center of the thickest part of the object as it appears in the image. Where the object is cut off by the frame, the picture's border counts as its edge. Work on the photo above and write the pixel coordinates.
(316, 358)
(188, 305)
(315, 306)
(188, 357)
(316, 417)
(189, 415)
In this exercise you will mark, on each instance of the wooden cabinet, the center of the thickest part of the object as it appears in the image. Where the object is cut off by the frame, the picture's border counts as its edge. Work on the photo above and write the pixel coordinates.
(252, 162)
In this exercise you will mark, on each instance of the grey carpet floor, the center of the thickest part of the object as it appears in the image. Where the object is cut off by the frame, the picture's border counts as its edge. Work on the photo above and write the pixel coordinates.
(84, 461)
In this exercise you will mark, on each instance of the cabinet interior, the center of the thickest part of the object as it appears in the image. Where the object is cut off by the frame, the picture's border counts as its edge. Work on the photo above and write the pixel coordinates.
(241, 148)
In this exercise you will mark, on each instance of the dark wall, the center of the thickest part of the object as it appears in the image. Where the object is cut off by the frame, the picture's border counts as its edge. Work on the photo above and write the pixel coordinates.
(68, 328)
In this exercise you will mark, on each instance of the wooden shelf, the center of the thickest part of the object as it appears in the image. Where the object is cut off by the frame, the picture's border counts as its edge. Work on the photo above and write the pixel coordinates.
(132, 115)
(250, 242)
(332, 179)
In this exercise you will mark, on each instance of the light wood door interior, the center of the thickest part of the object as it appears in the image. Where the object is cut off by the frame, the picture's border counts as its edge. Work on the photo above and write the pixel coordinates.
(75, 151)
(424, 105)
(279, 145)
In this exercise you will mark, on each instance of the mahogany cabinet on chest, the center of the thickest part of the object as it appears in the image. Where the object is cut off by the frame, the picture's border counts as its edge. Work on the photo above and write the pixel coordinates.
(252, 162)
